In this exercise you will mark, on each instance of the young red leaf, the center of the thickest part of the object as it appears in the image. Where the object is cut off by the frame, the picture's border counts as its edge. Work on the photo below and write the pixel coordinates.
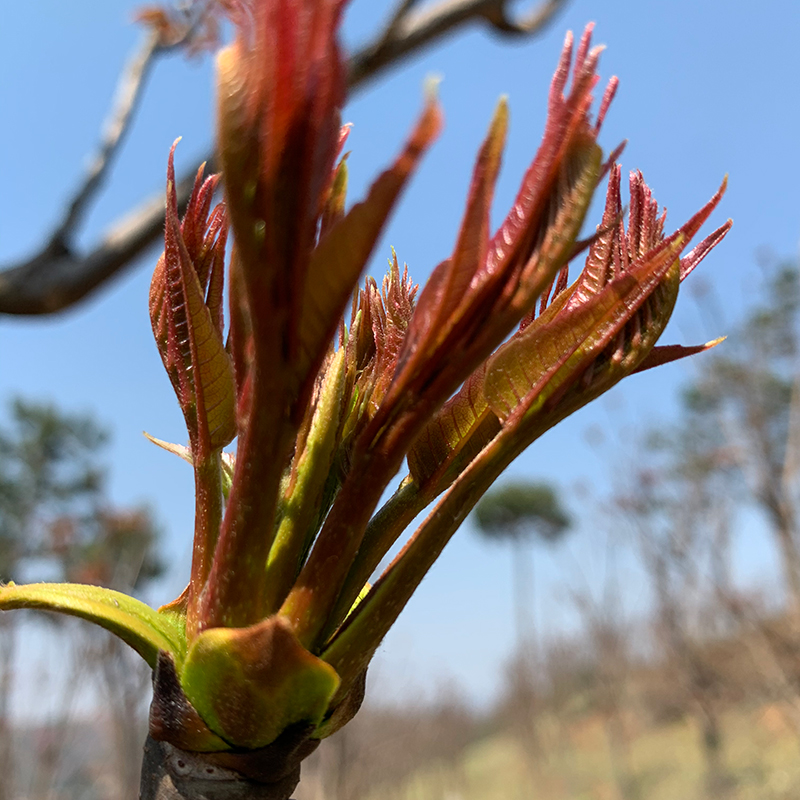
(443, 297)
(538, 364)
(476, 310)
(281, 86)
(343, 252)
(666, 354)
(474, 299)
(189, 339)
(592, 335)
(460, 429)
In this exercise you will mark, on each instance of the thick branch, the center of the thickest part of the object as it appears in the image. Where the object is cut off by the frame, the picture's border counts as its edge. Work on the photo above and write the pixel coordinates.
(58, 276)
(172, 774)
(407, 32)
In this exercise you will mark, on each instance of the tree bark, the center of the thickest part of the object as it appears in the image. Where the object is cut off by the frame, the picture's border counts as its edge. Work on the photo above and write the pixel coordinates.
(172, 774)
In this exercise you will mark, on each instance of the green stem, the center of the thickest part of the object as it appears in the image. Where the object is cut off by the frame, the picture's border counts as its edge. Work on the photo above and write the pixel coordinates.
(382, 532)
(208, 518)
(313, 595)
(379, 455)
(234, 594)
(310, 472)
(354, 645)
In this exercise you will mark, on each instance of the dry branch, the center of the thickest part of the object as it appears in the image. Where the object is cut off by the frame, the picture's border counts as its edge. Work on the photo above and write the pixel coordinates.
(58, 275)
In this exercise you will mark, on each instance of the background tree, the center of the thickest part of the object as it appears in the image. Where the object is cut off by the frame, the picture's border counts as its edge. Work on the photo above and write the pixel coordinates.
(736, 445)
(672, 513)
(743, 415)
(611, 643)
(522, 512)
(50, 483)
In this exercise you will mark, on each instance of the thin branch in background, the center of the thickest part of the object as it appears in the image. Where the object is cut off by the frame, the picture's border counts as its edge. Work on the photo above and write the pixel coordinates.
(791, 461)
(128, 93)
(54, 764)
(765, 659)
(408, 32)
(56, 277)
(192, 27)
(396, 20)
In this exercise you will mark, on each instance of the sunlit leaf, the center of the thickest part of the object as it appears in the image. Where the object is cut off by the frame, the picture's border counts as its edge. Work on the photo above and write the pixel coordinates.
(463, 425)
(545, 357)
(442, 302)
(138, 625)
(189, 338)
(666, 354)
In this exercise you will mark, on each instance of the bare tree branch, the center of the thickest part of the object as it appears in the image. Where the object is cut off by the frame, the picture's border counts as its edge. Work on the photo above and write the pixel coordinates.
(57, 276)
(407, 32)
(129, 91)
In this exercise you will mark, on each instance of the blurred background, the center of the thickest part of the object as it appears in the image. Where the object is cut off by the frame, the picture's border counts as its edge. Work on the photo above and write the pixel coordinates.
(621, 618)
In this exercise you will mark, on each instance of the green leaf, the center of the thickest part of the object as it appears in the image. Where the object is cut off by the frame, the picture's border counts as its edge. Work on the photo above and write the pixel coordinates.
(138, 625)
(250, 684)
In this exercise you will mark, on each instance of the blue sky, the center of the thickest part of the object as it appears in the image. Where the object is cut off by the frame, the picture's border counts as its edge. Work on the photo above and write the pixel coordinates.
(706, 88)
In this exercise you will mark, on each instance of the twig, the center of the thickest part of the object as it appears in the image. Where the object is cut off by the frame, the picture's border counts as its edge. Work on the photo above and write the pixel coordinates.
(396, 20)
(407, 33)
(126, 99)
(56, 277)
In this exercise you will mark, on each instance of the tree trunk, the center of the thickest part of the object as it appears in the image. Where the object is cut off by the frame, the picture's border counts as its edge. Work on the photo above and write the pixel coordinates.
(524, 610)
(172, 774)
(790, 556)
(526, 691)
(718, 780)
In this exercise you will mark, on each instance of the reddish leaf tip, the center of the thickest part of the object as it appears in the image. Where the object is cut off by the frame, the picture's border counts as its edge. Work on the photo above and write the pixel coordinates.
(666, 354)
